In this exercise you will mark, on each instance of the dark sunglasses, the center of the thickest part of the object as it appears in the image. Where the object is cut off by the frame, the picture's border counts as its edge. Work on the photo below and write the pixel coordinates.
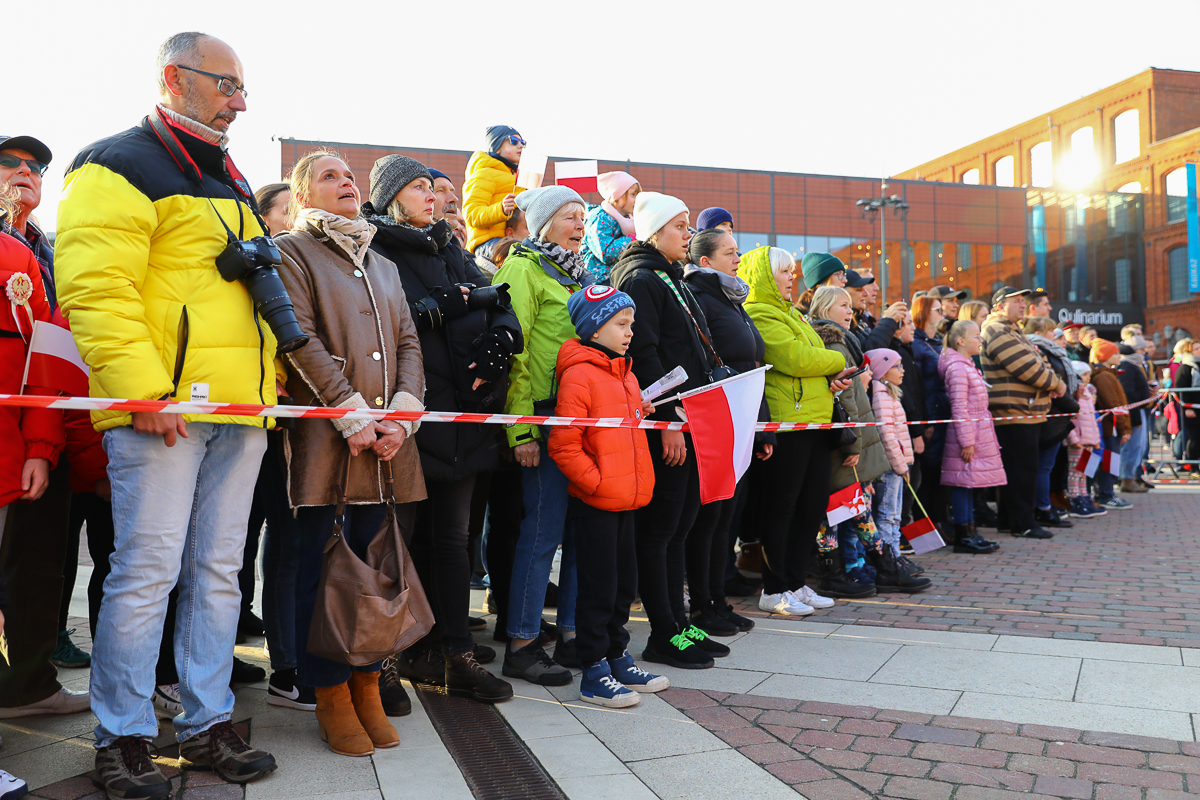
(12, 162)
(514, 139)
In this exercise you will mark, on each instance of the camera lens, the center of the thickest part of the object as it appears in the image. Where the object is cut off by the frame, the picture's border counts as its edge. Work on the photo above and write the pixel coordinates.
(273, 304)
(485, 297)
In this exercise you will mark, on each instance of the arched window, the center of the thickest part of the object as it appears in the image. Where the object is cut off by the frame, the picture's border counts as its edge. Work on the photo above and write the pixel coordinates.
(1175, 186)
(1127, 136)
(1080, 167)
(1133, 187)
(1177, 267)
(1005, 170)
(971, 176)
(1041, 165)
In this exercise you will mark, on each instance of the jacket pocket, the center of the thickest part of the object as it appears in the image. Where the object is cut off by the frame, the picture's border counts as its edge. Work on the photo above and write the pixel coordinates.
(340, 361)
(182, 330)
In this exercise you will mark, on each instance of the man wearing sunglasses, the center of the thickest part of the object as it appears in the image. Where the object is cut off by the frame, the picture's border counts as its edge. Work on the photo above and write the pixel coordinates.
(23, 162)
(145, 215)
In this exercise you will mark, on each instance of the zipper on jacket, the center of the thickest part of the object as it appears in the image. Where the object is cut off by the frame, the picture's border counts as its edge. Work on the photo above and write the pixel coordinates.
(262, 371)
(181, 344)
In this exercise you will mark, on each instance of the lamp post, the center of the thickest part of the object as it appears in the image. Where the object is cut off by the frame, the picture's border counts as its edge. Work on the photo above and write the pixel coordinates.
(868, 208)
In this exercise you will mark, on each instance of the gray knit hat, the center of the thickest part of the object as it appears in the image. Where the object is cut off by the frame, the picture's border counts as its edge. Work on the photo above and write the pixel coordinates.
(540, 205)
(391, 174)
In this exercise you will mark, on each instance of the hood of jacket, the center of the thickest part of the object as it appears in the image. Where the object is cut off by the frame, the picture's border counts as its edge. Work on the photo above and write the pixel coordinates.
(640, 255)
(574, 351)
(482, 160)
(755, 270)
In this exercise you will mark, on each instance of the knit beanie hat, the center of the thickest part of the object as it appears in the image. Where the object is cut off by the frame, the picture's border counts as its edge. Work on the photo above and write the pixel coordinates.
(437, 173)
(496, 134)
(391, 174)
(1102, 350)
(540, 205)
(882, 359)
(652, 211)
(613, 185)
(712, 217)
(1081, 368)
(816, 267)
(590, 308)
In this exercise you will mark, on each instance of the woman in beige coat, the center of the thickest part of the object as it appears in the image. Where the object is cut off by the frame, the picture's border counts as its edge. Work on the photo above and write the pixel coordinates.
(362, 352)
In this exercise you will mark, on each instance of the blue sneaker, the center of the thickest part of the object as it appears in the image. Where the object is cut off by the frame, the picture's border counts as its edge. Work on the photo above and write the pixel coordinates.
(636, 678)
(598, 686)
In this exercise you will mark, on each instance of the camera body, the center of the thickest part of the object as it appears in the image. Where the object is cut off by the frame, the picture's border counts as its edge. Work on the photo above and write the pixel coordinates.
(254, 263)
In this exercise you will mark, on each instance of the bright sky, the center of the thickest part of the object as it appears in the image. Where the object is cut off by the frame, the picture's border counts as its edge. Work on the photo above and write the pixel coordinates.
(850, 88)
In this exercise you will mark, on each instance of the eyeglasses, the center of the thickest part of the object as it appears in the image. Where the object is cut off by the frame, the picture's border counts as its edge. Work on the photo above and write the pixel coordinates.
(514, 139)
(225, 86)
(13, 162)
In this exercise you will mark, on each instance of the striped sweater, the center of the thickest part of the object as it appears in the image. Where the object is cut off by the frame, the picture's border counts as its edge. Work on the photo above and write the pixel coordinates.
(1020, 377)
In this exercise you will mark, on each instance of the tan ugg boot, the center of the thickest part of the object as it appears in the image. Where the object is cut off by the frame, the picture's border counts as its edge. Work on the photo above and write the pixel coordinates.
(364, 691)
(339, 724)
(1130, 486)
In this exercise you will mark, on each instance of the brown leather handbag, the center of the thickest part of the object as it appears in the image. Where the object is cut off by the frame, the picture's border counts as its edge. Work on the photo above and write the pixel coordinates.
(367, 610)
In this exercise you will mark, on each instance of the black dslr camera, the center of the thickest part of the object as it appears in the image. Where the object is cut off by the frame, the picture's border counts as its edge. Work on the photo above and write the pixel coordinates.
(485, 297)
(254, 263)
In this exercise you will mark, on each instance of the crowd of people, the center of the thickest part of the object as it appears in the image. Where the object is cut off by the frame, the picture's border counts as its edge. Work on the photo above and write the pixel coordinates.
(178, 282)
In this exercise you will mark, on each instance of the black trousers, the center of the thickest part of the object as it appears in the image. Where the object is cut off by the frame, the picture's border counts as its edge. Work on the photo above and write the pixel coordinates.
(934, 496)
(1018, 453)
(661, 529)
(505, 510)
(608, 578)
(795, 484)
(707, 552)
(440, 553)
(32, 554)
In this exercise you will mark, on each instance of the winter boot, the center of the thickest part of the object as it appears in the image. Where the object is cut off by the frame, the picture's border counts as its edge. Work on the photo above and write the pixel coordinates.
(834, 582)
(965, 540)
(339, 724)
(891, 577)
(364, 694)
(986, 542)
(1130, 486)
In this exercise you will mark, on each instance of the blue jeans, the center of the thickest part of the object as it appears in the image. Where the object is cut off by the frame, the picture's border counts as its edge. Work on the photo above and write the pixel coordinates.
(1046, 460)
(887, 515)
(1105, 481)
(962, 505)
(162, 539)
(1136, 449)
(543, 529)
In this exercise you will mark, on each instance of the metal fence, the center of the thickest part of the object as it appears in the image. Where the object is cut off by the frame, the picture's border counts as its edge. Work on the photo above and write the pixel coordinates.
(1166, 461)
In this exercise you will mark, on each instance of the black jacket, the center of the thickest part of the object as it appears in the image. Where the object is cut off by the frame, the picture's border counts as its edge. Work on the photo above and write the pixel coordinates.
(664, 336)
(1137, 388)
(734, 336)
(912, 388)
(871, 334)
(426, 262)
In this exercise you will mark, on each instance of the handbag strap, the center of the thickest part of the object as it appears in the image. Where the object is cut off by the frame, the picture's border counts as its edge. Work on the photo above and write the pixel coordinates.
(339, 512)
(688, 310)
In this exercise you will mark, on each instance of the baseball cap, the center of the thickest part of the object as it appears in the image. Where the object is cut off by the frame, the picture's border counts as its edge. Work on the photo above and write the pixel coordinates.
(856, 281)
(1006, 292)
(1072, 326)
(29, 144)
(945, 291)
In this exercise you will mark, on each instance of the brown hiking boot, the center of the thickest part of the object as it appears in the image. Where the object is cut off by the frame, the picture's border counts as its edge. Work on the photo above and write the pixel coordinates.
(124, 770)
(221, 748)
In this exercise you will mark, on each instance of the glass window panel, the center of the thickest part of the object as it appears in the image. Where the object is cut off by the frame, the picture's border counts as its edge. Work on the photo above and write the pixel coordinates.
(963, 257)
(793, 244)
(1123, 267)
(1041, 165)
(1177, 265)
(1080, 165)
(1126, 136)
(748, 241)
(1133, 187)
(997, 253)
(1176, 186)
(1006, 174)
(1118, 214)
(971, 176)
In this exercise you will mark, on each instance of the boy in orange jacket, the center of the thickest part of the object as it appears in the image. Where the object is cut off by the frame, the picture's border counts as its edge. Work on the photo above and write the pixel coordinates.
(611, 474)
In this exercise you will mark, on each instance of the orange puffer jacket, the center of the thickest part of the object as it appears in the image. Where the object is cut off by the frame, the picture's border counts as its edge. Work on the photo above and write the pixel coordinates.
(609, 468)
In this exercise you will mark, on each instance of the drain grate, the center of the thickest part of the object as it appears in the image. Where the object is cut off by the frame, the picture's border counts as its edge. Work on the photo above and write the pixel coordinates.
(492, 759)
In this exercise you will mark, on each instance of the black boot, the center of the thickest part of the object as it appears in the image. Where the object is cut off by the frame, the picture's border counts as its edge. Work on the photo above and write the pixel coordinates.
(466, 678)
(890, 577)
(979, 537)
(391, 691)
(834, 581)
(966, 541)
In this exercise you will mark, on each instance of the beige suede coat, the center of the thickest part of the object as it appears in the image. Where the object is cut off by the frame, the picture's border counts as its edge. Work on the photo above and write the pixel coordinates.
(363, 352)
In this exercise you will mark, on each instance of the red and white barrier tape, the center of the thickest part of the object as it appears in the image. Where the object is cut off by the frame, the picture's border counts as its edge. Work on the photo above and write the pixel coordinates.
(320, 412)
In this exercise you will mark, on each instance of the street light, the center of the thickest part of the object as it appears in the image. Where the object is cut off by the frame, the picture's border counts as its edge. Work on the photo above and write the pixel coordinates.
(868, 208)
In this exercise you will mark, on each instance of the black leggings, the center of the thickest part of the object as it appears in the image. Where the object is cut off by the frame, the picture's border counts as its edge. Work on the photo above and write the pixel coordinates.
(662, 526)
(443, 562)
(795, 484)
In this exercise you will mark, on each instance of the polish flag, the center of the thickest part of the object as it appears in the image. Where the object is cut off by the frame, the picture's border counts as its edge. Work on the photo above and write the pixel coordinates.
(846, 504)
(579, 175)
(923, 535)
(1089, 461)
(54, 361)
(721, 418)
(1110, 462)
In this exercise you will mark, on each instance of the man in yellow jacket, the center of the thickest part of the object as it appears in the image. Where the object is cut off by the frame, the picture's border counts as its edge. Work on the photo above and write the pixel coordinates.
(144, 216)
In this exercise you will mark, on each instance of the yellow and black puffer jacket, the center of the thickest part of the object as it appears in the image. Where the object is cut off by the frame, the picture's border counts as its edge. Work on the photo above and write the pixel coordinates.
(489, 180)
(135, 263)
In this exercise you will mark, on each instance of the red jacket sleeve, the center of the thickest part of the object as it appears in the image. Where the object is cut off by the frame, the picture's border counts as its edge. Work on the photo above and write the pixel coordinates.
(566, 441)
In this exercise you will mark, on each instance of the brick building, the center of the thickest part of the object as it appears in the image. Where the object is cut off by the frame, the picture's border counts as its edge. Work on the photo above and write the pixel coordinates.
(1106, 197)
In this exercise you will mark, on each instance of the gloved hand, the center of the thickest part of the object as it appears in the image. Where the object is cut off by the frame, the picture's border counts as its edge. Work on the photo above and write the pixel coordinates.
(492, 357)
(452, 301)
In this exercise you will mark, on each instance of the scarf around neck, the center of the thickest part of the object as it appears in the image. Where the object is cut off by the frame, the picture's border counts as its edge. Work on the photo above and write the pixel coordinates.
(197, 129)
(569, 262)
(625, 222)
(352, 236)
(734, 287)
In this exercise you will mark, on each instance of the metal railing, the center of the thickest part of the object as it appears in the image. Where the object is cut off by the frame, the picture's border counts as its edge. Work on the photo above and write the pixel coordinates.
(1162, 457)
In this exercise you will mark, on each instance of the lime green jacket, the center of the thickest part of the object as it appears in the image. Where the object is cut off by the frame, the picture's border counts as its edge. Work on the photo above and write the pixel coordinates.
(539, 300)
(798, 383)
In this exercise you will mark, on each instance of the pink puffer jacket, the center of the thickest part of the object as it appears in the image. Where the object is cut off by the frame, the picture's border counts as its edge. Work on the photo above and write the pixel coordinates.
(893, 427)
(969, 401)
(1087, 430)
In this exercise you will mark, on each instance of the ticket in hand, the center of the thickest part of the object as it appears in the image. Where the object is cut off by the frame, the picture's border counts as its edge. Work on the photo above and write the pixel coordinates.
(665, 383)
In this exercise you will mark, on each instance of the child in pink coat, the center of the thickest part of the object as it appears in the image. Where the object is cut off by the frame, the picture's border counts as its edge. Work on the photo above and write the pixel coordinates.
(887, 373)
(971, 457)
(1085, 436)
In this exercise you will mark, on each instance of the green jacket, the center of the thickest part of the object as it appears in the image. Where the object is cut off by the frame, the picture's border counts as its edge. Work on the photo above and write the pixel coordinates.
(798, 382)
(539, 292)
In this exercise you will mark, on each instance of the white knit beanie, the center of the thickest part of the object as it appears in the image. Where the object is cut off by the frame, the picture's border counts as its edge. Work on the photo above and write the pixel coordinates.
(652, 211)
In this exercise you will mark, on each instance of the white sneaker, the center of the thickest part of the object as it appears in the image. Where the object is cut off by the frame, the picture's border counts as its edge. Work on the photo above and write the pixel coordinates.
(784, 603)
(809, 597)
(167, 703)
(64, 701)
(11, 786)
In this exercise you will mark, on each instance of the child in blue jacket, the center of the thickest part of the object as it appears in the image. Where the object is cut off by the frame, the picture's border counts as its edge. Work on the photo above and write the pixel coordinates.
(608, 229)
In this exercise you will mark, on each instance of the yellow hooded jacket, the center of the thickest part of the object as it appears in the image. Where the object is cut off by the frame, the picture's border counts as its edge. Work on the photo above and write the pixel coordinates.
(489, 180)
(136, 272)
